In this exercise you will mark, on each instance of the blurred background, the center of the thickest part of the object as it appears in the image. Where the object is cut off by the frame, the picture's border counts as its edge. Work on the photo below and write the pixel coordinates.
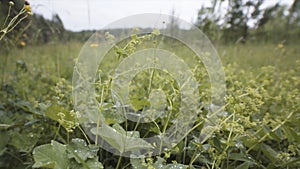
(230, 21)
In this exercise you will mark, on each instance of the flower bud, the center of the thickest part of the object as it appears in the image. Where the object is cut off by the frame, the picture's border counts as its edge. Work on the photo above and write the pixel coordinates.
(11, 3)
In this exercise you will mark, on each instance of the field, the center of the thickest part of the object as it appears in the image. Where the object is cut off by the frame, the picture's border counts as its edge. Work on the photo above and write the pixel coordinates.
(260, 130)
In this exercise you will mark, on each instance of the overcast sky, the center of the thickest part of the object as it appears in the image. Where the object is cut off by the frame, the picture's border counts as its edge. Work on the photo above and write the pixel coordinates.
(95, 14)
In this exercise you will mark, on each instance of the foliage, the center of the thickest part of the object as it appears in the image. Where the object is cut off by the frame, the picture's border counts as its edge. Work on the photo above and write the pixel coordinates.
(76, 155)
(237, 19)
(247, 20)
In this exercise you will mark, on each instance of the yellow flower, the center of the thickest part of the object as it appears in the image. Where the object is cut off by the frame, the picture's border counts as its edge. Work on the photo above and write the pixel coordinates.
(23, 44)
(27, 7)
(94, 45)
(280, 46)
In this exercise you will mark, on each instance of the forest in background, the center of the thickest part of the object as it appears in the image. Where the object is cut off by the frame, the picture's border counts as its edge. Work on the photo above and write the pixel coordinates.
(244, 21)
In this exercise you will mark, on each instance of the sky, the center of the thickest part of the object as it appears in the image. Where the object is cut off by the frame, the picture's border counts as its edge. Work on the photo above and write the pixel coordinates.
(80, 15)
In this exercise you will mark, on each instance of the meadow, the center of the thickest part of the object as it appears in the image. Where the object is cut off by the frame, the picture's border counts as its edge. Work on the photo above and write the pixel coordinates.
(262, 129)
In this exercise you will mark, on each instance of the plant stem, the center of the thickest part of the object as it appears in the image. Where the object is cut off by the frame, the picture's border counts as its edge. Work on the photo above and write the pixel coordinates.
(119, 162)
(184, 150)
(7, 16)
(150, 83)
(99, 119)
(3, 71)
(85, 136)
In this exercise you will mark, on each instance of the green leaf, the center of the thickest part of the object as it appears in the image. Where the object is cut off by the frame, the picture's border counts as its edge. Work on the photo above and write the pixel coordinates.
(244, 165)
(277, 135)
(52, 155)
(119, 128)
(5, 119)
(137, 163)
(269, 152)
(175, 166)
(89, 164)
(111, 117)
(291, 134)
(239, 157)
(94, 164)
(4, 138)
(79, 150)
(23, 141)
(159, 163)
(26, 106)
(249, 141)
(121, 141)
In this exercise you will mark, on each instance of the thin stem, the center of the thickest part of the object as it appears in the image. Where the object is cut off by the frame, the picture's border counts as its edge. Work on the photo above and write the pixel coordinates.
(85, 136)
(68, 137)
(98, 120)
(184, 150)
(119, 162)
(3, 70)
(169, 116)
(11, 25)
(57, 132)
(150, 83)
(7, 16)
(128, 164)
(19, 21)
(193, 159)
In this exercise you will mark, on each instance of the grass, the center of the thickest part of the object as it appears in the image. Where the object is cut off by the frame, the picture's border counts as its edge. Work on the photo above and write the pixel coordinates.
(54, 59)
(57, 59)
(258, 55)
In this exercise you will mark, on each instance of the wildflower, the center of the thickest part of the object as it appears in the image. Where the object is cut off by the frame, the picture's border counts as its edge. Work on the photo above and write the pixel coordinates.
(280, 46)
(27, 8)
(11, 3)
(94, 45)
(78, 115)
(22, 43)
(156, 32)
(61, 115)
(135, 30)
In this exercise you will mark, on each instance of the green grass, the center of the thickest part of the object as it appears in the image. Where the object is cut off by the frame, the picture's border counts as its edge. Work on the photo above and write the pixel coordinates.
(258, 55)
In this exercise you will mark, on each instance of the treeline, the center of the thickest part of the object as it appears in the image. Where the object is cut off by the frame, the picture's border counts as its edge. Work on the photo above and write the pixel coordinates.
(243, 21)
(248, 20)
(33, 29)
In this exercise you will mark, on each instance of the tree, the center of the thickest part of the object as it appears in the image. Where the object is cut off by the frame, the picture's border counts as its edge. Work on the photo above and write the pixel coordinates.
(268, 14)
(173, 25)
(236, 27)
(208, 19)
(294, 13)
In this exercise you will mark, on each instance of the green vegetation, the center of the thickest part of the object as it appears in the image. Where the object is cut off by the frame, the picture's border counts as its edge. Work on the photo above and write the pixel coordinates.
(39, 127)
(261, 131)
